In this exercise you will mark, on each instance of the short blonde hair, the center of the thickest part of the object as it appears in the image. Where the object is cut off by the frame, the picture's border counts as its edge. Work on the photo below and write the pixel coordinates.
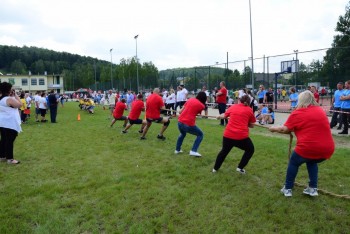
(306, 99)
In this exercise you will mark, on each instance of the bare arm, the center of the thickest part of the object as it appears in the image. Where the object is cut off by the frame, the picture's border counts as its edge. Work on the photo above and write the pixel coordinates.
(281, 129)
(14, 101)
(222, 116)
(251, 125)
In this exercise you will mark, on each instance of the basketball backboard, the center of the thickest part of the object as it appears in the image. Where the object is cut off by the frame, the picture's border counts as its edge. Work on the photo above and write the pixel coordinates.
(290, 66)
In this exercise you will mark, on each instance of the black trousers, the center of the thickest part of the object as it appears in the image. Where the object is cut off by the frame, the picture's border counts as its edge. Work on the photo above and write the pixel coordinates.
(227, 144)
(8, 137)
(335, 115)
(53, 113)
(346, 118)
(222, 109)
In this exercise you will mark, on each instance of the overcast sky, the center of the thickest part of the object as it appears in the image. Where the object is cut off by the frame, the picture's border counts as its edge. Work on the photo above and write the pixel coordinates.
(181, 33)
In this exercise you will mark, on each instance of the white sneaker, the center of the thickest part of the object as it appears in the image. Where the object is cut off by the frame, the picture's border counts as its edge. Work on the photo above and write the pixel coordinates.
(178, 152)
(214, 171)
(196, 154)
(311, 191)
(286, 192)
(242, 171)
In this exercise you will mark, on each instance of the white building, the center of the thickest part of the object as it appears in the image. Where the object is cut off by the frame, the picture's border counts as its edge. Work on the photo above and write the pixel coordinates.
(33, 83)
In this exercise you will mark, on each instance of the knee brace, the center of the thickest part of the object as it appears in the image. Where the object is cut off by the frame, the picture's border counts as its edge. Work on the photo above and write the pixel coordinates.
(167, 123)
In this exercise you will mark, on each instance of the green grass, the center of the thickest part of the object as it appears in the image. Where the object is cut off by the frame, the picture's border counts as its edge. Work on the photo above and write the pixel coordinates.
(85, 177)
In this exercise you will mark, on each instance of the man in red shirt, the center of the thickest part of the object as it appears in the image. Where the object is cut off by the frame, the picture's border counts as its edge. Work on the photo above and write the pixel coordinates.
(136, 108)
(221, 96)
(154, 105)
(119, 111)
(187, 123)
(315, 92)
(237, 133)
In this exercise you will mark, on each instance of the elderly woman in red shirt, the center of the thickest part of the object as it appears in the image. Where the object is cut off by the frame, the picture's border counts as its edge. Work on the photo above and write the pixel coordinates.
(314, 141)
(236, 133)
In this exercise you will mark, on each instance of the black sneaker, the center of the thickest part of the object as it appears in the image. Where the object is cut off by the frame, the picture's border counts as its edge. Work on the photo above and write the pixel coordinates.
(142, 138)
(124, 131)
(339, 128)
(344, 133)
(161, 137)
(140, 131)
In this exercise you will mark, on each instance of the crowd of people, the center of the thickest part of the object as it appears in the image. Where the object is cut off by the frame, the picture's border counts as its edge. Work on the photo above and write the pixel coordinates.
(314, 141)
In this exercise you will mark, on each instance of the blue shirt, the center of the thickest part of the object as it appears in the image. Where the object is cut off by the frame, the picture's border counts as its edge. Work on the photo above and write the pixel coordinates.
(264, 110)
(293, 96)
(273, 115)
(346, 103)
(337, 102)
(262, 94)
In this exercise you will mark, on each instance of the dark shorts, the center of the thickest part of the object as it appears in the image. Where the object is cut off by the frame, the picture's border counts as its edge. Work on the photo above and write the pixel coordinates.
(159, 120)
(37, 111)
(121, 118)
(136, 121)
(42, 112)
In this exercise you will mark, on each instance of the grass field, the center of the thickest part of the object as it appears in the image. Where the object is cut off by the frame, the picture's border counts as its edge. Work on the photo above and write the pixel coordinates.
(85, 177)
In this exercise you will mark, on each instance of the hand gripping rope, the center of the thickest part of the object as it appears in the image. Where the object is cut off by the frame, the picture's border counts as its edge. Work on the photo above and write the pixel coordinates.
(300, 184)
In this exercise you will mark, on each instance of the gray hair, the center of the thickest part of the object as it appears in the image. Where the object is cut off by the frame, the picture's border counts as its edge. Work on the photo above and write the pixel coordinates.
(306, 99)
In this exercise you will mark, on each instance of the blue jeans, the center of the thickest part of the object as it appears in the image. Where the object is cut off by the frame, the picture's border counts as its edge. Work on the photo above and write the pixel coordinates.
(293, 167)
(194, 130)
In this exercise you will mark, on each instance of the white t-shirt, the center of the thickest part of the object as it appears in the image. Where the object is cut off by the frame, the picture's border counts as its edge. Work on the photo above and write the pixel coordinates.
(171, 99)
(9, 117)
(36, 100)
(29, 102)
(42, 102)
(111, 99)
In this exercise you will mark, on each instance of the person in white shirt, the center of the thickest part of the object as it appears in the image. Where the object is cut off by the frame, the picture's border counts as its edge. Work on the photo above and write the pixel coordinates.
(170, 102)
(10, 121)
(29, 102)
(111, 101)
(36, 101)
(43, 106)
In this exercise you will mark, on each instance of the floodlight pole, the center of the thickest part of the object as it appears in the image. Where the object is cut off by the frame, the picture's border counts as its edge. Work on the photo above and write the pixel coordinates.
(111, 68)
(137, 65)
(296, 67)
(251, 45)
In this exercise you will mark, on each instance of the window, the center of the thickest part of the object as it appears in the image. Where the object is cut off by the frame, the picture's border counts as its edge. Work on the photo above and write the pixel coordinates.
(34, 81)
(12, 81)
(24, 82)
(41, 81)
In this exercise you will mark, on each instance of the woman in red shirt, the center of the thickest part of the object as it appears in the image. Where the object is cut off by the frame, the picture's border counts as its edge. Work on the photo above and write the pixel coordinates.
(236, 133)
(187, 123)
(314, 141)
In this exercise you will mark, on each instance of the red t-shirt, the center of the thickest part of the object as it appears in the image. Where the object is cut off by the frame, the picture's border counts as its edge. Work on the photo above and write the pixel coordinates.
(119, 110)
(314, 137)
(153, 105)
(240, 117)
(222, 98)
(136, 108)
(192, 108)
(317, 97)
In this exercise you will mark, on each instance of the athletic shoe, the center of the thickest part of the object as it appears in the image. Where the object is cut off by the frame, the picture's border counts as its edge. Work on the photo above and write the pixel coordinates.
(345, 133)
(195, 154)
(142, 138)
(178, 152)
(161, 137)
(140, 131)
(124, 131)
(13, 161)
(311, 191)
(214, 171)
(339, 128)
(286, 192)
(242, 171)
